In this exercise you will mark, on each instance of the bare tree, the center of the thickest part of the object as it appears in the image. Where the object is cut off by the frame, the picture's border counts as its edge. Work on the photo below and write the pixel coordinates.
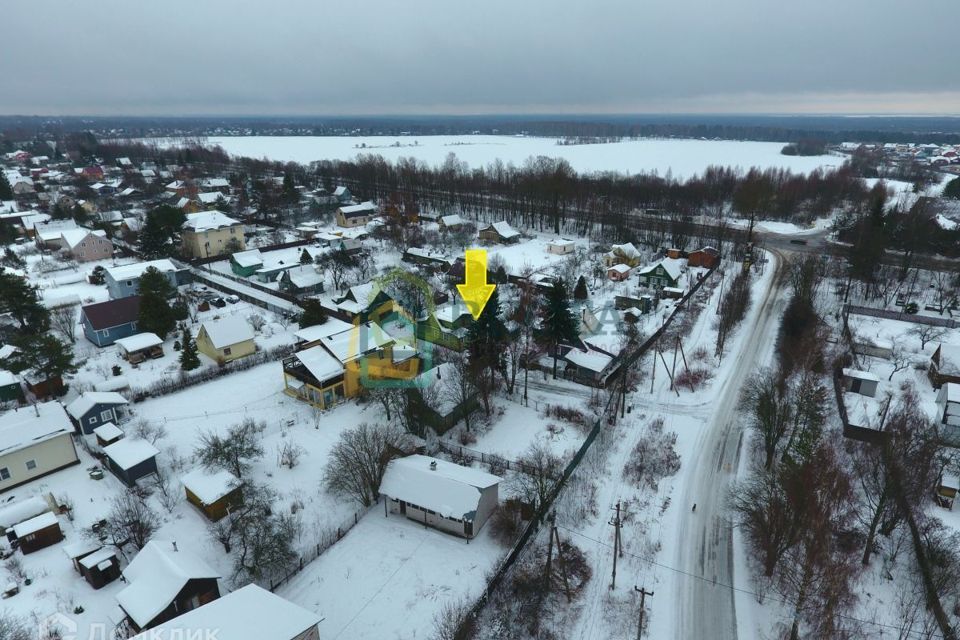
(900, 360)
(64, 320)
(167, 490)
(131, 520)
(257, 321)
(539, 471)
(448, 620)
(235, 451)
(359, 459)
(289, 454)
(928, 333)
(458, 388)
(151, 431)
(770, 411)
(13, 627)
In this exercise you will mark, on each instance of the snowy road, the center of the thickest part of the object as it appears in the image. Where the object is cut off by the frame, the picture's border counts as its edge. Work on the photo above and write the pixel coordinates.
(705, 545)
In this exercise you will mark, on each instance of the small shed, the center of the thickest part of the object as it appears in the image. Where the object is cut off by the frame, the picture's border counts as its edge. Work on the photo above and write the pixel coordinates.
(80, 549)
(947, 490)
(38, 532)
(138, 347)
(440, 494)
(10, 390)
(131, 459)
(16, 512)
(861, 382)
(246, 263)
(100, 567)
(215, 493)
(561, 246)
(107, 434)
(618, 272)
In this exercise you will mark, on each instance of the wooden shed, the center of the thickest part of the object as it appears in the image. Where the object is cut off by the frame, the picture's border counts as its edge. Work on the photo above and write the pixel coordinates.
(100, 567)
(215, 493)
(107, 434)
(138, 347)
(131, 459)
(37, 533)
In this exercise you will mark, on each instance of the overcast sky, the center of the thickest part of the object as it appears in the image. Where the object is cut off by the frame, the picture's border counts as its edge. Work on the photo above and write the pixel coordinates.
(308, 57)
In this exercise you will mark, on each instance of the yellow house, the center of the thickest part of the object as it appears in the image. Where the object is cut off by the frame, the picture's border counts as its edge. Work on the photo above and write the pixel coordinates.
(226, 339)
(211, 233)
(356, 215)
(342, 365)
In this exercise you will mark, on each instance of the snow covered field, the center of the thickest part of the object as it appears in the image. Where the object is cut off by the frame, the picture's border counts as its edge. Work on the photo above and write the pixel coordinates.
(682, 158)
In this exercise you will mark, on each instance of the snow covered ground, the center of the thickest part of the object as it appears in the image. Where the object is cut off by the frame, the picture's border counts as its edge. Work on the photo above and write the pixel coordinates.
(682, 158)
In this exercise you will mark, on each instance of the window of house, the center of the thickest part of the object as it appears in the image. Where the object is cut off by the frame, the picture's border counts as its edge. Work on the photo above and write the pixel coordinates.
(107, 415)
(226, 351)
(31, 465)
(4, 473)
(93, 420)
(129, 283)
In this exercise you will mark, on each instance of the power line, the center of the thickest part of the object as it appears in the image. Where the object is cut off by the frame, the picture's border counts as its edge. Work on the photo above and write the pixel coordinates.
(742, 590)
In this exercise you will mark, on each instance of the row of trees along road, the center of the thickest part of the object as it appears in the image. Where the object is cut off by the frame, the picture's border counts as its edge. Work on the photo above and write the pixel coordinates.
(815, 511)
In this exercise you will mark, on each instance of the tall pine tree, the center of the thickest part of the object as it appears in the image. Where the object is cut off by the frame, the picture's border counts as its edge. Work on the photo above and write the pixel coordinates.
(156, 314)
(189, 360)
(486, 338)
(557, 324)
(6, 193)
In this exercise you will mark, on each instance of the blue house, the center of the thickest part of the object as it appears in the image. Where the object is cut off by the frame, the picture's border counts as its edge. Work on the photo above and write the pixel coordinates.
(106, 322)
(131, 459)
(96, 408)
(124, 281)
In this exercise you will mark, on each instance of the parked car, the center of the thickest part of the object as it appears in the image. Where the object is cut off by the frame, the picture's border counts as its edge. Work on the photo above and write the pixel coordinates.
(233, 299)
(220, 303)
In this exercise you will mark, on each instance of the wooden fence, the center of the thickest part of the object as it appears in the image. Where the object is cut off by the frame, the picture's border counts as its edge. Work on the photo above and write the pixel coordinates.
(915, 318)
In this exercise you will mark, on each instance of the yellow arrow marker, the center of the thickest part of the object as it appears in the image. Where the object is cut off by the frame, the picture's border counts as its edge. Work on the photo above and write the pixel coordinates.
(475, 291)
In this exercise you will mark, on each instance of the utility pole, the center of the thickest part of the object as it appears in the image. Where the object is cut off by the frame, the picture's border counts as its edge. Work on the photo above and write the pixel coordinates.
(617, 549)
(643, 594)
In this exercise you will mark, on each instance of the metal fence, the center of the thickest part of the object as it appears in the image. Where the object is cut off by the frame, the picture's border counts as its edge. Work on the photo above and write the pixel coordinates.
(327, 538)
(915, 318)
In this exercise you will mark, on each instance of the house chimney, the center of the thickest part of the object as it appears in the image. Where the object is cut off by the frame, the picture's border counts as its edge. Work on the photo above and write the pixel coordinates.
(174, 543)
(433, 465)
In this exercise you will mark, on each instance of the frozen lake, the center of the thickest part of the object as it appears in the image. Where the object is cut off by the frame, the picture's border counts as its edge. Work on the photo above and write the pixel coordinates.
(683, 158)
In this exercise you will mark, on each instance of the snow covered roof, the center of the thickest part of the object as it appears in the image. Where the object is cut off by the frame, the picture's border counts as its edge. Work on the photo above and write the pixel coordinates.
(98, 557)
(35, 524)
(451, 220)
(215, 183)
(860, 375)
(208, 220)
(108, 431)
(339, 191)
(503, 229)
(8, 378)
(211, 197)
(129, 452)
(249, 613)
(250, 258)
(591, 360)
(17, 512)
(362, 209)
(561, 242)
(626, 250)
(156, 575)
(949, 392)
(620, 268)
(447, 488)
(89, 399)
(319, 331)
(304, 276)
(31, 425)
(350, 345)
(73, 237)
(134, 271)
(79, 548)
(139, 341)
(321, 364)
(227, 331)
(949, 359)
(670, 265)
(210, 486)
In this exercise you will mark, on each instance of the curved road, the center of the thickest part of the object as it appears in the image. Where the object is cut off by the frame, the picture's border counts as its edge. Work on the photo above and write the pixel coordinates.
(705, 547)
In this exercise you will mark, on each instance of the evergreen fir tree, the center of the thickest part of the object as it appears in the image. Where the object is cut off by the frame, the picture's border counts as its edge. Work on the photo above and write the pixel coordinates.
(486, 338)
(6, 193)
(44, 356)
(557, 324)
(189, 360)
(313, 313)
(156, 314)
(580, 292)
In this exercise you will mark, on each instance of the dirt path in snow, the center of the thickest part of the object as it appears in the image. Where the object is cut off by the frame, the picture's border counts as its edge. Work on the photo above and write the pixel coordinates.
(705, 545)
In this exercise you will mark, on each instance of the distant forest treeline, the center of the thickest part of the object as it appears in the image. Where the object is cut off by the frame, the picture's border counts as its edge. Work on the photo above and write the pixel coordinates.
(832, 129)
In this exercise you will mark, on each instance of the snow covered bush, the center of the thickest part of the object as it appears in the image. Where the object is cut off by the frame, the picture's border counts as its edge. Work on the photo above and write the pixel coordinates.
(653, 458)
